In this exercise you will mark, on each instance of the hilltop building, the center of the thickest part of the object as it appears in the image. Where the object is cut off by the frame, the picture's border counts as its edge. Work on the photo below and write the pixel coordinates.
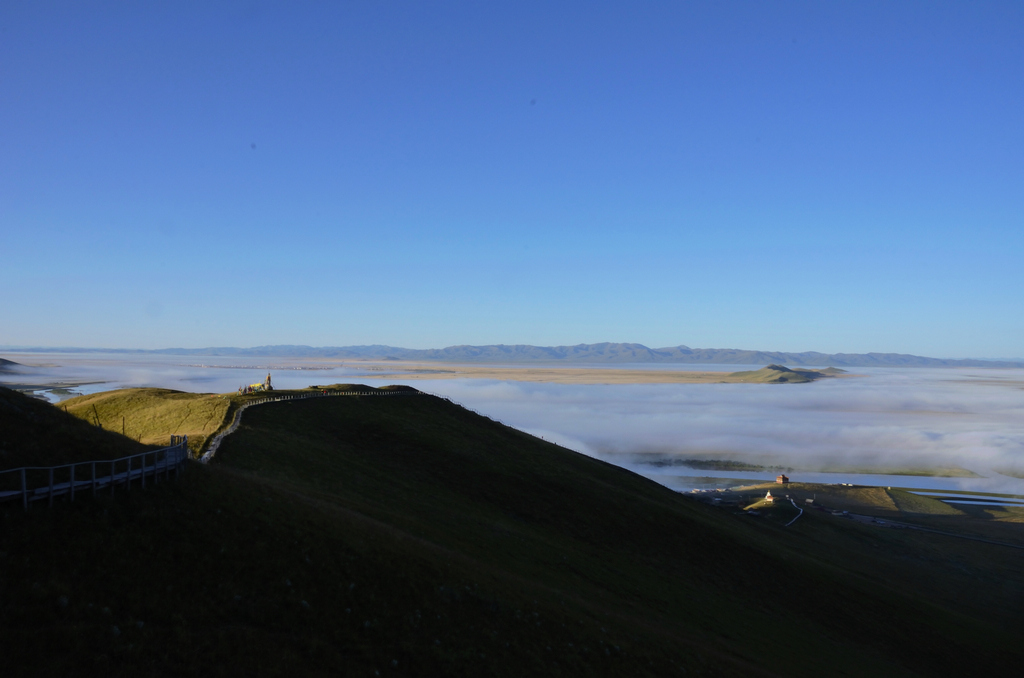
(257, 387)
(781, 479)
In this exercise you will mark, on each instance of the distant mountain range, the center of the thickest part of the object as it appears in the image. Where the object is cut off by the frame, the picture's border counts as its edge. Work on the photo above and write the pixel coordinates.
(581, 353)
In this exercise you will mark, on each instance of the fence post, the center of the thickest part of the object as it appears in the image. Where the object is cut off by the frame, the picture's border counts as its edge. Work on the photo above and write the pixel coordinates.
(24, 490)
(93, 479)
(72, 482)
(128, 476)
(50, 498)
(143, 458)
(112, 468)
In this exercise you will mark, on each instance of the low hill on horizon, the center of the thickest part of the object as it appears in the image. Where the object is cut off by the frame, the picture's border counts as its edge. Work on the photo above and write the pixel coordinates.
(779, 374)
(606, 352)
(6, 365)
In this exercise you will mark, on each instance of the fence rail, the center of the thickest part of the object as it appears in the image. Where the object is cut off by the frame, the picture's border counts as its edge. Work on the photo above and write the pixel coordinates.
(34, 483)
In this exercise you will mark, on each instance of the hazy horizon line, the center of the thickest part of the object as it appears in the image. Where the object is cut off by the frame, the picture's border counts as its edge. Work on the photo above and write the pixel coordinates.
(241, 349)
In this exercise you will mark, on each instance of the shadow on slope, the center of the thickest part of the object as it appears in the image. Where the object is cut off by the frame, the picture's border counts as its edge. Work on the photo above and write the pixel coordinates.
(152, 415)
(408, 536)
(35, 433)
(606, 543)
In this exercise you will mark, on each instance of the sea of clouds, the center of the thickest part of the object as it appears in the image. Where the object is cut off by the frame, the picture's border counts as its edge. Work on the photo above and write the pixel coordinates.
(890, 418)
(894, 418)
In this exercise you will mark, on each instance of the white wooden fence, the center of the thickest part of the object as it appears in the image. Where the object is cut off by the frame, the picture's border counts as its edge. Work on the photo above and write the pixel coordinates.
(34, 483)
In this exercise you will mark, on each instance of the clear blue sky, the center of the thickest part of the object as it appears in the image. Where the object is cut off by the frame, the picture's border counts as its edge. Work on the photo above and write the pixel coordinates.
(833, 176)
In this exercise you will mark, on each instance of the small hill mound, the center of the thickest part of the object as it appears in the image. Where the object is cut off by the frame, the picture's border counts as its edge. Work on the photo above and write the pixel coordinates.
(8, 365)
(36, 433)
(908, 502)
(152, 415)
(345, 388)
(777, 374)
(780, 374)
(398, 388)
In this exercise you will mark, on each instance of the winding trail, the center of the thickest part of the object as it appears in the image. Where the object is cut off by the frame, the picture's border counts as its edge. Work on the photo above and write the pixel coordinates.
(215, 443)
(237, 419)
(797, 515)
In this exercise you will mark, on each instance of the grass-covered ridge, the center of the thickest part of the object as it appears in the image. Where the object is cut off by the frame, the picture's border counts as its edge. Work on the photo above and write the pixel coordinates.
(519, 506)
(35, 433)
(152, 415)
(780, 374)
(408, 536)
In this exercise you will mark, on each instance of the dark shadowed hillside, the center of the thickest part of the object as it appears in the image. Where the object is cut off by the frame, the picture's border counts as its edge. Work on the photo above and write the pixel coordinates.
(404, 535)
(35, 433)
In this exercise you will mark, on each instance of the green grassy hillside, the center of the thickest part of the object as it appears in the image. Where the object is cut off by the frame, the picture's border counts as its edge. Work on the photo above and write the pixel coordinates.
(35, 433)
(908, 502)
(152, 415)
(408, 536)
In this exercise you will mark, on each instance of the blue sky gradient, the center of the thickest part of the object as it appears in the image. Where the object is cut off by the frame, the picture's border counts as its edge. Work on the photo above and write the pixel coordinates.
(841, 176)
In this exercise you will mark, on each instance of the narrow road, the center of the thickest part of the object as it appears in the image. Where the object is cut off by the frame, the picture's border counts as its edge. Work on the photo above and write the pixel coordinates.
(797, 515)
(215, 443)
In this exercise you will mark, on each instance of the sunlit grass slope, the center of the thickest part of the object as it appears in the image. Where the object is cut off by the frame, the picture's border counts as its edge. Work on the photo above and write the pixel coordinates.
(405, 535)
(152, 415)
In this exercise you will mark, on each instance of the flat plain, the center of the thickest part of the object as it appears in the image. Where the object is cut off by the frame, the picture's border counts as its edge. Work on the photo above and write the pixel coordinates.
(585, 375)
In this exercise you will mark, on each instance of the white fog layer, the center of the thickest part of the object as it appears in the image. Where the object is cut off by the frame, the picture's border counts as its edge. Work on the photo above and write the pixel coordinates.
(883, 419)
(887, 419)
